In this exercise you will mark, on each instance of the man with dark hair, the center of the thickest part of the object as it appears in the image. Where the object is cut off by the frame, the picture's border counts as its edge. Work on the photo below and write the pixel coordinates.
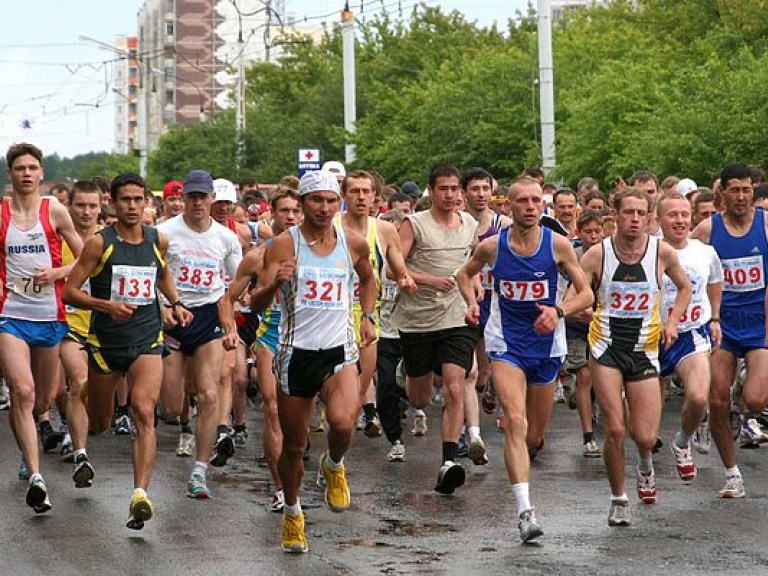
(60, 191)
(647, 181)
(739, 235)
(126, 267)
(248, 186)
(413, 191)
(703, 207)
(32, 315)
(536, 174)
(565, 210)
(433, 333)
(399, 201)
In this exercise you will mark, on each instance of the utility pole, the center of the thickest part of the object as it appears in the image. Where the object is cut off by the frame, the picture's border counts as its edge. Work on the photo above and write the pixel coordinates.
(546, 87)
(350, 105)
(240, 103)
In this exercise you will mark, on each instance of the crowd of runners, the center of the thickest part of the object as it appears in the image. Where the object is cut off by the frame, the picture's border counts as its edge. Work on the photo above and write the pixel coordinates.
(353, 305)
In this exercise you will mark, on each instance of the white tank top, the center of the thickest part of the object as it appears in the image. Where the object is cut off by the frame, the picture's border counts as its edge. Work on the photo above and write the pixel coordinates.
(25, 254)
(317, 302)
(199, 261)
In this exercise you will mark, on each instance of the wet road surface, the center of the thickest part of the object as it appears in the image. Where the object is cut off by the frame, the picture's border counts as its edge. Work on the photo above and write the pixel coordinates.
(397, 524)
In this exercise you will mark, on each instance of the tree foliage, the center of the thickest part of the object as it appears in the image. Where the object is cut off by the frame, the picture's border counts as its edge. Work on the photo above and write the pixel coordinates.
(674, 86)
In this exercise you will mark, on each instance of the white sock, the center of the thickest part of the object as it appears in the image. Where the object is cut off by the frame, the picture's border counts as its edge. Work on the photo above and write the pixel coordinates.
(200, 468)
(645, 466)
(139, 491)
(418, 412)
(729, 472)
(292, 509)
(79, 451)
(474, 433)
(621, 498)
(34, 477)
(682, 439)
(334, 465)
(521, 497)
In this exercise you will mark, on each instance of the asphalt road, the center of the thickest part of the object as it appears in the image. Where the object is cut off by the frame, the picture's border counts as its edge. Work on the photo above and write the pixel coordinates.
(396, 525)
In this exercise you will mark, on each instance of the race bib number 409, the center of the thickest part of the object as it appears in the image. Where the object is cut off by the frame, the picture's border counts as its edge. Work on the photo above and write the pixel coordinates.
(743, 274)
(133, 284)
(323, 288)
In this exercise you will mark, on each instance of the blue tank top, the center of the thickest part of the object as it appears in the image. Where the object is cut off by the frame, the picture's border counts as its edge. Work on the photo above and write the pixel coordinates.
(519, 283)
(744, 260)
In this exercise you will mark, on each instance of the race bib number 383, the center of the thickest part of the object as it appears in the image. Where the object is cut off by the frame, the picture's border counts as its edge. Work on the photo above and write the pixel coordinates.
(133, 284)
(743, 274)
(323, 288)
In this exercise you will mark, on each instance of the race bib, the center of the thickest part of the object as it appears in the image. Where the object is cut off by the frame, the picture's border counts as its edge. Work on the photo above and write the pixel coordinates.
(629, 299)
(524, 291)
(389, 291)
(197, 274)
(486, 278)
(133, 284)
(28, 286)
(323, 288)
(692, 314)
(743, 274)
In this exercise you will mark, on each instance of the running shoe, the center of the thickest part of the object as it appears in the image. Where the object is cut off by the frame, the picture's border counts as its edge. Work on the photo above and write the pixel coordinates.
(278, 502)
(646, 487)
(701, 438)
(450, 477)
(49, 438)
(619, 513)
(529, 528)
(23, 470)
(477, 452)
(489, 401)
(752, 434)
(83, 472)
(123, 425)
(336, 488)
(734, 419)
(240, 436)
(140, 511)
(67, 450)
(658, 446)
(397, 452)
(186, 446)
(559, 393)
(463, 446)
(37, 496)
(360, 422)
(734, 488)
(223, 450)
(294, 540)
(372, 428)
(197, 488)
(419, 425)
(317, 422)
(591, 450)
(686, 468)
(5, 395)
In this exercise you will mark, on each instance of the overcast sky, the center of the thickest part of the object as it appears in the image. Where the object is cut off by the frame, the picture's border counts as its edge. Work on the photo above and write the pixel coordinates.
(56, 90)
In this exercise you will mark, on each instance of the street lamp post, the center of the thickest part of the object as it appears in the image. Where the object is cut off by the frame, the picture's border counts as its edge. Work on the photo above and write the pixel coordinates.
(350, 104)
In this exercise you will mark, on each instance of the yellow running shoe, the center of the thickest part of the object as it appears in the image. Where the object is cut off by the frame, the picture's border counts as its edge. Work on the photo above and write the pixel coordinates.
(294, 539)
(336, 488)
(140, 511)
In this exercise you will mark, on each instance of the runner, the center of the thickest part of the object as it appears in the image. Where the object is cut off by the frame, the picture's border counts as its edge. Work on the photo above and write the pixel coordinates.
(738, 235)
(384, 247)
(689, 355)
(285, 207)
(525, 337)
(625, 271)
(84, 207)
(126, 266)
(313, 267)
(200, 252)
(434, 336)
(32, 316)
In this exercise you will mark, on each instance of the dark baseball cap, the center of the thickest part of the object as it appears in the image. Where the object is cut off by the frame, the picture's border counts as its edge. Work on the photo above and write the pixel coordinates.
(198, 181)
(412, 189)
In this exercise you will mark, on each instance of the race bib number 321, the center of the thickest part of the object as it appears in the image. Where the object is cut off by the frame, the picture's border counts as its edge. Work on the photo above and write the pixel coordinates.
(323, 288)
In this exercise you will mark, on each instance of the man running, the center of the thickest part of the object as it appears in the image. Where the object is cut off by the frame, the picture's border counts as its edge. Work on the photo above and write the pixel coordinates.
(525, 336)
(689, 355)
(126, 266)
(285, 207)
(32, 316)
(433, 334)
(200, 252)
(739, 235)
(625, 272)
(313, 267)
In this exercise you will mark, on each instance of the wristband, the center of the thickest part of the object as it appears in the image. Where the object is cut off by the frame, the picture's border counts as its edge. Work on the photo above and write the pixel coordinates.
(370, 317)
(560, 313)
(177, 303)
(715, 320)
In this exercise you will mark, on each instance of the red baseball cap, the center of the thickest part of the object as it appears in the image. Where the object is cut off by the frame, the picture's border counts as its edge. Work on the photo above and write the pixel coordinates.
(172, 188)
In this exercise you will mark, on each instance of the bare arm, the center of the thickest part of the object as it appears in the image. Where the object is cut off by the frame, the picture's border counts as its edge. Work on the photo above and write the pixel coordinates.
(62, 223)
(465, 278)
(279, 266)
(247, 270)
(394, 256)
(671, 267)
(703, 231)
(167, 287)
(582, 296)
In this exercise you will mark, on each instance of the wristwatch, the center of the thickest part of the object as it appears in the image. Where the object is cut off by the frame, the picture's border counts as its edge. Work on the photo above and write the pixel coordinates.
(560, 313)
(370, 317)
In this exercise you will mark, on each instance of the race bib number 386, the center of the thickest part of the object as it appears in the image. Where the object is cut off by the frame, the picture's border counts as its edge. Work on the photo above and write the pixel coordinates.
(743, 274)
(133, 284)
(323, 288)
